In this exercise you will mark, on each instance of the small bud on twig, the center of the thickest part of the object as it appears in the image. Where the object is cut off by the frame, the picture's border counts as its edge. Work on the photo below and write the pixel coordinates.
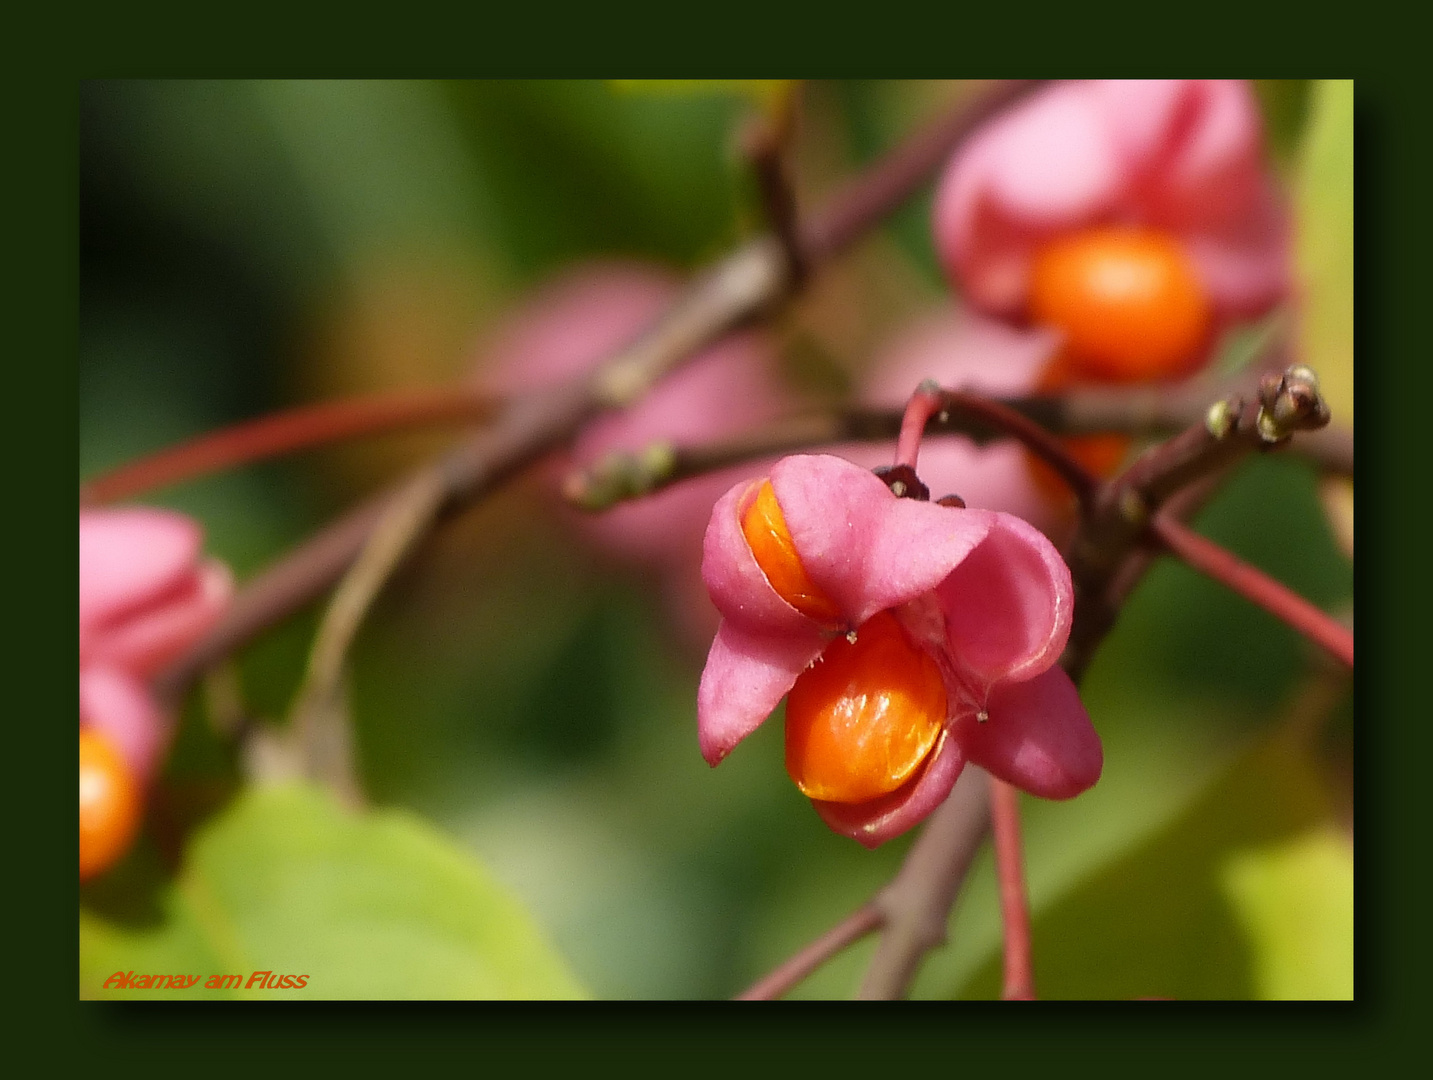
(620, 475)
(1290, 402)
(1223, 415)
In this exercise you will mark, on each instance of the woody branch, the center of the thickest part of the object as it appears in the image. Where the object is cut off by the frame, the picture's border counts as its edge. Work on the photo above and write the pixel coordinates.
(745, 285)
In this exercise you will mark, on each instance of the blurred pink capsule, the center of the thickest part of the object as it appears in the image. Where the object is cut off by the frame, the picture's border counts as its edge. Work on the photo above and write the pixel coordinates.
(145, 596)
(581, 318)
(1185, 156)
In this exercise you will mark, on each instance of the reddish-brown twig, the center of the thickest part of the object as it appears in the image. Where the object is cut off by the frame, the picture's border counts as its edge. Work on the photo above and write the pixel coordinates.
(620, 476)
(871, 195)
(1014, 909)
(1255, 586)
(765, 141)
(287, 432)
(1036, 439)
(917, 901)
(740, 287)
(1137, 411)
(848, 931)
(910, 910)
(527, 427)
(1107, 554)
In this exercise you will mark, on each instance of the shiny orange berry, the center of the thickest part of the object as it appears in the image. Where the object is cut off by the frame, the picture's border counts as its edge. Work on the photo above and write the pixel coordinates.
(860, 721)
(764, 527)
(109, 805)
(1129, 301)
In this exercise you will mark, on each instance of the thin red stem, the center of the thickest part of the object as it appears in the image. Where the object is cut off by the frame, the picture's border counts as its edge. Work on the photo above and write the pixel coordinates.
(848, 931)
(1035, 438)
(284, 433)
(848, 214)
(924, 403)
(1255, 586)
(1014, 909)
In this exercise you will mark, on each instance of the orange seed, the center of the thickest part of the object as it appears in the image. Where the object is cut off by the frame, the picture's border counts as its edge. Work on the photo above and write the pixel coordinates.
(109, 805)
(862, 719)
(764, 527)
(1129, 301)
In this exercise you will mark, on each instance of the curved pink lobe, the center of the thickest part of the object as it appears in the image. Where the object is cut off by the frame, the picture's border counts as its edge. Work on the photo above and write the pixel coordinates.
(1137, 114)
(1245, 267)
(961, 350)
(1193, 147)
(722, 389)
(1007, 606)
(128, 556)
(118, 704)
(992, 477)
(733, 579)
(153, 635)
(873, 823)
(1038, 737)
(864, 548)
(745, 678)
(1050, 162)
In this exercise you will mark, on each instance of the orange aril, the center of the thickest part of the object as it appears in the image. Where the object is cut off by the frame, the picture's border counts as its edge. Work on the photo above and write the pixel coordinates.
(109, 805)
(764, 527)
(1129, 302)
(863, 718)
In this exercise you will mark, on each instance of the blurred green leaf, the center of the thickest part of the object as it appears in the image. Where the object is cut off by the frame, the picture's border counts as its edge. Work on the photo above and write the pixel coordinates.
(374, 905)
(1159, 921)
(1199, 638)
(382, 164)
(1294, 902)
(1325, 243)
(579, 172)
(1162, 754)
(1285, 104)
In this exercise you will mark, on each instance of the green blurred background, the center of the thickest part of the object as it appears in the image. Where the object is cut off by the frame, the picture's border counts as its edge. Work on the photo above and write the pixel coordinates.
(247, 246)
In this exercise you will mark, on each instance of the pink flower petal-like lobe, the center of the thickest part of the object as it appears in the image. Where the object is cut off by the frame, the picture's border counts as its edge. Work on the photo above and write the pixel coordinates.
(745, 678)
(1008, 606)
(1038, 737)
(864, 548)
(128, 555)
